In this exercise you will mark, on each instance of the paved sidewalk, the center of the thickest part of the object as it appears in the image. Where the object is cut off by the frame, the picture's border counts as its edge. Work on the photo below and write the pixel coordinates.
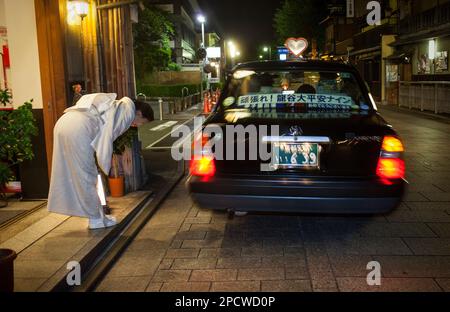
(49, 242)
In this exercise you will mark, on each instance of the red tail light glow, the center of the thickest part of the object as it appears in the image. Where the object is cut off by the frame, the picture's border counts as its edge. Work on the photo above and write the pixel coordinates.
(391, 165)
(391, 169)
(203, 167)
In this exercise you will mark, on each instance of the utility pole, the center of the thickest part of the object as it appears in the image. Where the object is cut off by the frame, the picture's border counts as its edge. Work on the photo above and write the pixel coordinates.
(202, 20)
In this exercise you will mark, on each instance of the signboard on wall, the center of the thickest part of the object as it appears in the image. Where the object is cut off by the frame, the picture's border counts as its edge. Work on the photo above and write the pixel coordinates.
(392, 73)
(214, 52)
(350, 8)
(423, 64)
(442, 61)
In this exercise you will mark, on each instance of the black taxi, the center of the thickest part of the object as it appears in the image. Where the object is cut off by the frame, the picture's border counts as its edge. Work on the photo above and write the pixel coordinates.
(297, 137)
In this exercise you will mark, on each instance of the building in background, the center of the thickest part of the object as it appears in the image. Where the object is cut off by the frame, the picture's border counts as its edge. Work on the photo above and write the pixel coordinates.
(421, 58)
(404, 60)
(216, 56)
(351, 38)
(371, 44)
(212, 39)
(423, 42)
(339, 31)
(187, 38)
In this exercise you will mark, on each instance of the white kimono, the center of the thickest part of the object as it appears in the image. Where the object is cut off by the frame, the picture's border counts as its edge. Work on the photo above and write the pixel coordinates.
(87, 129)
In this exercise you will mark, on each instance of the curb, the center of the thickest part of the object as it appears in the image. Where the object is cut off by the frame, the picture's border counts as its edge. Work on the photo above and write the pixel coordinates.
(102, 257)
(22, 216)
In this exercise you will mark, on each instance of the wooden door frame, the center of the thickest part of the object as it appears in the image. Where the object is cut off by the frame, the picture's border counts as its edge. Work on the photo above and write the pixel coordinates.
(51, 46)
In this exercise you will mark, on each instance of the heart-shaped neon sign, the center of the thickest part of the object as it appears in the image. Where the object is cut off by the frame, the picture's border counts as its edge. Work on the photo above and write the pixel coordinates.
(296, 45)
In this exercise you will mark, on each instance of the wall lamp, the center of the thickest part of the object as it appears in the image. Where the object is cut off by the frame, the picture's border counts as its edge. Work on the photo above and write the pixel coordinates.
(77, 9)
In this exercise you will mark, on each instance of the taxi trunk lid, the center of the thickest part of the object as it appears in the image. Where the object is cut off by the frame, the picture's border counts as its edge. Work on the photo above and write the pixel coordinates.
(352, 150)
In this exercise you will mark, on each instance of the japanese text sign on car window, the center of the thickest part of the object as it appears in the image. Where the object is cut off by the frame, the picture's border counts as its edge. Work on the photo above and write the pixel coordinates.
(324, 101)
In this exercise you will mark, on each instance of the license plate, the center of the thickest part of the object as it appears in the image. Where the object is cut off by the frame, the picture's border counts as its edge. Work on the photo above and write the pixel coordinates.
(296, 155)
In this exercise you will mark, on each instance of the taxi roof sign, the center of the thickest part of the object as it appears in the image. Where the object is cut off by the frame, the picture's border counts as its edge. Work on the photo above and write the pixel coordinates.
(296, 46)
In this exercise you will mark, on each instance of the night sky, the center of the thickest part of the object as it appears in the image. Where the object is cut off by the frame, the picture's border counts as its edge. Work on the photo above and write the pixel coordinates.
(247, 22)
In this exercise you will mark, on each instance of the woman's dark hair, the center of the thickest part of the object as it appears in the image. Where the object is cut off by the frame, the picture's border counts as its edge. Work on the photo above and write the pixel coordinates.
(145, 109)
(306, 88)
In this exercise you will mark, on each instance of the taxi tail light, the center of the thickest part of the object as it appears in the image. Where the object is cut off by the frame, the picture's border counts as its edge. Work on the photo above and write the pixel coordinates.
(204, 166)
(391, 168)
(391, 165)
(202, 163)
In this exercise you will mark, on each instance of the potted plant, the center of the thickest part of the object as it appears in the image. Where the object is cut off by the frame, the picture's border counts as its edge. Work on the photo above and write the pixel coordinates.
(17, 128)
(116, 178)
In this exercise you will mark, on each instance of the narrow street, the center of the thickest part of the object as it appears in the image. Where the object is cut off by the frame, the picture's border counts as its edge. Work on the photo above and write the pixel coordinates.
(183, 248)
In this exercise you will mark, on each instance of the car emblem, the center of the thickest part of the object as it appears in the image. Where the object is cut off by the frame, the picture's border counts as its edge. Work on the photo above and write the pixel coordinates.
(295, 131)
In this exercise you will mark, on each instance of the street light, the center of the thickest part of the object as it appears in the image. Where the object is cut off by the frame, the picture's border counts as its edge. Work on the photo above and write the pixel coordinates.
(233, 52)
(202, 20)
(232, 49)
(268, 50)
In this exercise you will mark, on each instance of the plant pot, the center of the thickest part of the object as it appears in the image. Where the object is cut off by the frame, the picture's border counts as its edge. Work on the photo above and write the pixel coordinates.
(116, 186)
(3, 198)
(7, 258)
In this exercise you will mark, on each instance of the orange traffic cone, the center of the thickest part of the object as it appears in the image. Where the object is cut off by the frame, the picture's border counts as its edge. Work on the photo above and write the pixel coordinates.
(206, 108)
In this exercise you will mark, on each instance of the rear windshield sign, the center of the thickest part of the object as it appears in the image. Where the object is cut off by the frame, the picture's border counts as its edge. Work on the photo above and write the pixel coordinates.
(318, 101)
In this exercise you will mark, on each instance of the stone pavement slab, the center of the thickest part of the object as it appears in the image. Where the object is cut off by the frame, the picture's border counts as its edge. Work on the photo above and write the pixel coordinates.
(389, 285)
(206, 251)
(46, 246)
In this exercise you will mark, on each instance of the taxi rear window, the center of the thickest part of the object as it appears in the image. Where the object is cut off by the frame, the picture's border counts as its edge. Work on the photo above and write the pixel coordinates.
(303, 90)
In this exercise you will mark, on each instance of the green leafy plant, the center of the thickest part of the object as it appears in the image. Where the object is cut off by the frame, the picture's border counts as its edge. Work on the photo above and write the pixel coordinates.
(120, 145)
(298, 18)
(152, 36)
(174, 67)
(5, 97)
(17, 127)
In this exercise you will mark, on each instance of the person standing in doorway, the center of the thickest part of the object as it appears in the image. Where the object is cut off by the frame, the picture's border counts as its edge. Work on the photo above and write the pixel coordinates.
(76, 88)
